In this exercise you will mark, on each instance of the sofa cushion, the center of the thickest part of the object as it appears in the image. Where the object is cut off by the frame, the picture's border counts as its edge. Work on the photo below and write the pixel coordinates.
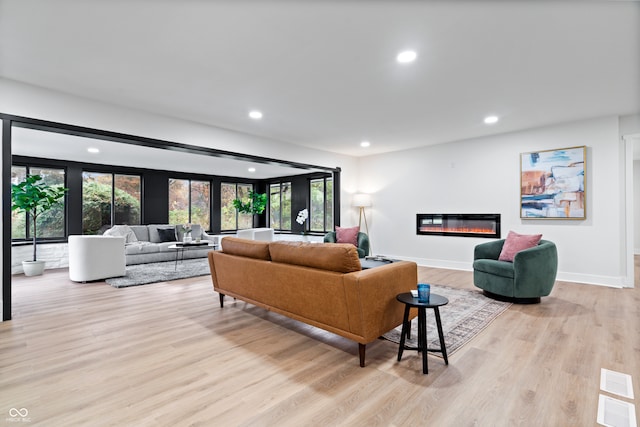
(494, 267)
(515, 243)
(154, 237)
(347, 235)
(246, 248)
(339, 257)
(139, 248)
(122, 231)
(141, 232)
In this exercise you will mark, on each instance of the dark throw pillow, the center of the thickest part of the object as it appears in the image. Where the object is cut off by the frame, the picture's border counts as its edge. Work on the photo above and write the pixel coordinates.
(167, 234)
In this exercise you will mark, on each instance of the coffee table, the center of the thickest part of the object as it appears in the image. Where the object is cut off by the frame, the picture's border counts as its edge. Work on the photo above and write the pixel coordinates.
(181, 247)
(435, 301)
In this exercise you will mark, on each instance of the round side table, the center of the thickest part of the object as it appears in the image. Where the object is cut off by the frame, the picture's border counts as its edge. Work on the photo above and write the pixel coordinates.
(435, 301)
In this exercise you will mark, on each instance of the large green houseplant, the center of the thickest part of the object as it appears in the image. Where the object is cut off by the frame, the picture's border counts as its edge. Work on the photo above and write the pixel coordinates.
(256, 205)
(35, 197)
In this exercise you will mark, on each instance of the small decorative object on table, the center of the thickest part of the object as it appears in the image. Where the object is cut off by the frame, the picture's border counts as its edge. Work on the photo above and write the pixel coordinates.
(186, 229)
(424, 290)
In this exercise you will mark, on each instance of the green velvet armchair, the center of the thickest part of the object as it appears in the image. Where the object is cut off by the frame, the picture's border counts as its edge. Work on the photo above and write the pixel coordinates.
(363, 242)
(530, 276)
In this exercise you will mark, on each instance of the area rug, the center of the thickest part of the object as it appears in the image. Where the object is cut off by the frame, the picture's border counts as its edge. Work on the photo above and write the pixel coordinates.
(142, 274)
(466, 315)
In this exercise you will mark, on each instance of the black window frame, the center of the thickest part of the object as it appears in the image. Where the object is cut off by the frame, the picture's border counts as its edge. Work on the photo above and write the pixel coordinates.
(113, 195)
(190, 219)
(280, 184)
(28, 238)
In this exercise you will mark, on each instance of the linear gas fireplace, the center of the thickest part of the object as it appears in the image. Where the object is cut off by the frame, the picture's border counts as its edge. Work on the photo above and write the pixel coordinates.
(466, 225)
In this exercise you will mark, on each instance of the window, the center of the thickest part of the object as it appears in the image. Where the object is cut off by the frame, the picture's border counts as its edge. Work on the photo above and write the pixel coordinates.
(190, 202)
(50, 224)
(109, 199)
(230, 218)
(280, 206)
(321, 204)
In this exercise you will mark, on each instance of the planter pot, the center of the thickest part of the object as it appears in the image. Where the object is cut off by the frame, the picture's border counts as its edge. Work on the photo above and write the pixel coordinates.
(33, 268)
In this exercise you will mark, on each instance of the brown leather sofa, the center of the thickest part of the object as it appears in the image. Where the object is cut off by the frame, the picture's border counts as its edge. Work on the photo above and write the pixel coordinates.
(319, 284)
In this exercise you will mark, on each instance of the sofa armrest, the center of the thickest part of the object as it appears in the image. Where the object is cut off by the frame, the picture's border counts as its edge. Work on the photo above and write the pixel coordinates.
(371, 297)
(209, 237)
(489, 250)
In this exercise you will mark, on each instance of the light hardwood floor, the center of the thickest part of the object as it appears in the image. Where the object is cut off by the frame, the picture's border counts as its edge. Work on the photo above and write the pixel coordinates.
(166, 354)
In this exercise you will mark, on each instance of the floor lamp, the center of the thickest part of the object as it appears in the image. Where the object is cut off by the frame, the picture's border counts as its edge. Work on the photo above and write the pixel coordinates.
(361, 201)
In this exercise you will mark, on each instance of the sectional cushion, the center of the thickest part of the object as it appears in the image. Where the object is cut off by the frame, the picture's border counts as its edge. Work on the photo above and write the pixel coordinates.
(141, 232)
(139, 248)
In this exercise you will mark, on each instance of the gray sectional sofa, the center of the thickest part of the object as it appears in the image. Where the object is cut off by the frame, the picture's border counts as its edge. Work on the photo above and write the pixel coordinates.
(150, 243)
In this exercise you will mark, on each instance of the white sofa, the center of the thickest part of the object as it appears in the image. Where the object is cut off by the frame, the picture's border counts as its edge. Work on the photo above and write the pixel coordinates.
(96, 257)
(145, 244)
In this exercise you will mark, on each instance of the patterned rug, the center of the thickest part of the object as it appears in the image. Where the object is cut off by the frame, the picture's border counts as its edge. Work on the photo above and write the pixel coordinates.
(142, 274)
(466, 315)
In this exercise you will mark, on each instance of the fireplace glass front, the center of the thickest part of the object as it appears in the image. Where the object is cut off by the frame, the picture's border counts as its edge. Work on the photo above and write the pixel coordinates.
(466, 225)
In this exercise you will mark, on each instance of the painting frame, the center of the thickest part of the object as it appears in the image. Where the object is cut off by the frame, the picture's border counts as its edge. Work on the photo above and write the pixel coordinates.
(553, 184)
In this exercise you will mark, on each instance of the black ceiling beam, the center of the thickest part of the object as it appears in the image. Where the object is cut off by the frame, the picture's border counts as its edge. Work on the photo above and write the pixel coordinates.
(49, 126)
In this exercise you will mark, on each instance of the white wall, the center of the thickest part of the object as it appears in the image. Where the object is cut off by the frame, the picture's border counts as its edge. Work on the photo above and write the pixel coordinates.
(636, 207)
(483, 176)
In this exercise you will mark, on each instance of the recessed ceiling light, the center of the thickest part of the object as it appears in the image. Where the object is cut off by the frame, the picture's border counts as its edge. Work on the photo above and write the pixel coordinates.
(491, 120)
(406, 56)
(93, 150)
(365, 144)
(251, 170)
(255, 114)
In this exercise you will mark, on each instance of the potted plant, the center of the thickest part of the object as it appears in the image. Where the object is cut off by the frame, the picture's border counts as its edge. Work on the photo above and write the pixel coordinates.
(256, 205)
(35, 197)
(301, 219)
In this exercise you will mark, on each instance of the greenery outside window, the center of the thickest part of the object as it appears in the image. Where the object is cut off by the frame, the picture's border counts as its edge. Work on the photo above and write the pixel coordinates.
(50, 224)
(321, 204)
(280, 206)
(230, 218)
(109, 199)
(190, 202)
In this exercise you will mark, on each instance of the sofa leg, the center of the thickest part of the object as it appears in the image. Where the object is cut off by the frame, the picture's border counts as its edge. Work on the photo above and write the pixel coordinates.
(361, 349)
(221, 300)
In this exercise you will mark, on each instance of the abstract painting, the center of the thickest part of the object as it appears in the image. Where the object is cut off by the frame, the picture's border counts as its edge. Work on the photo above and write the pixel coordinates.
(552, 184)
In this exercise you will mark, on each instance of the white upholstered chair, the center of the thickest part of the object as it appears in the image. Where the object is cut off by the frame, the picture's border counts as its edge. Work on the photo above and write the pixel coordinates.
(262, 234)
(96, 257)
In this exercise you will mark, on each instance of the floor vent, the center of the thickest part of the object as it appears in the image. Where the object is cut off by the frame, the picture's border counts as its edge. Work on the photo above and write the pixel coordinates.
(616, 383)
(616, 413)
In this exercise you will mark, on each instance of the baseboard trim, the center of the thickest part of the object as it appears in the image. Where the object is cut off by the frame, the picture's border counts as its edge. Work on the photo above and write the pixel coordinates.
(588, 279)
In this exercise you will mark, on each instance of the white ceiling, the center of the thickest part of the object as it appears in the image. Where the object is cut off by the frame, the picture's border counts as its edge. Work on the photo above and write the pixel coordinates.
(324, 72)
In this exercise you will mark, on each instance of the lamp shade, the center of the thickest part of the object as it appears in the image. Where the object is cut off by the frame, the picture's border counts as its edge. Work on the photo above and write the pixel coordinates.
(361, 200)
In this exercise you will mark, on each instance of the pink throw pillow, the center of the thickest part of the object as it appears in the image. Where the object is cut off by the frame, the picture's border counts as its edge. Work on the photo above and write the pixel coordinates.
(517, 242)
(347, 235)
